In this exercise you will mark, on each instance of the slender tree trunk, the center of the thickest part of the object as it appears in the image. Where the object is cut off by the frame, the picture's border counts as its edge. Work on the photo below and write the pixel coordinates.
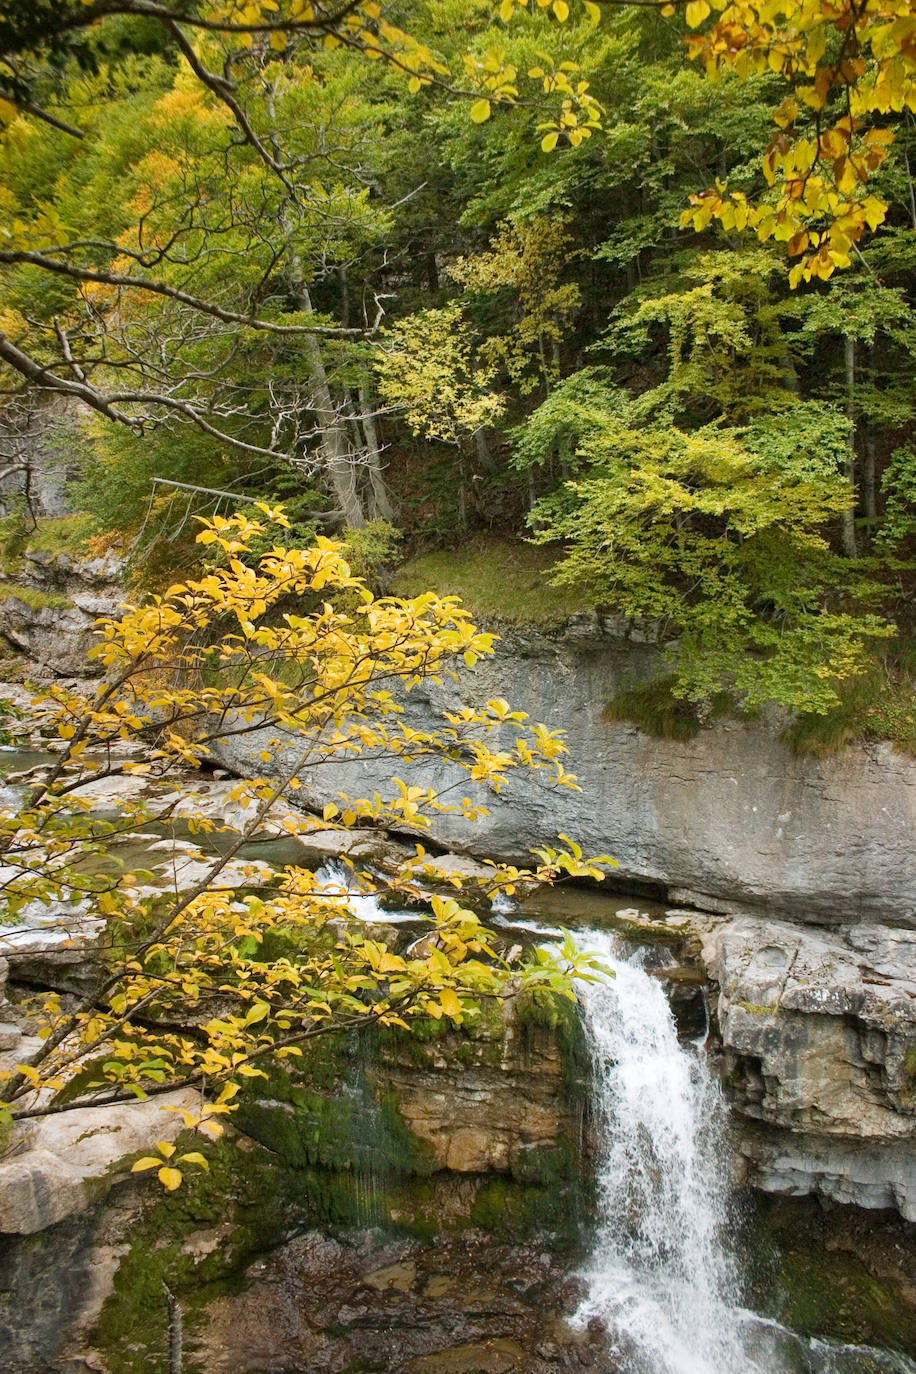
(382, 504)
(484, 456)
(339, 460)
(849, 524)
(869, 482)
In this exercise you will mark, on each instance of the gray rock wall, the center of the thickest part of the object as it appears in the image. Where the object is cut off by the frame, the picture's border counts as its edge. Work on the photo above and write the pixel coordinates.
(731, 817)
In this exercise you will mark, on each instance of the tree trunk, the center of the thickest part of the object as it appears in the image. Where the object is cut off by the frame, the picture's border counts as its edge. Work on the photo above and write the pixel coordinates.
(339, 459)
(381, 501)
(849, 516)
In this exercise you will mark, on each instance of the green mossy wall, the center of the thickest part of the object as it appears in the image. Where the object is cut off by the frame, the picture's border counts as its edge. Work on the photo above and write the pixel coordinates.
(321, 1147)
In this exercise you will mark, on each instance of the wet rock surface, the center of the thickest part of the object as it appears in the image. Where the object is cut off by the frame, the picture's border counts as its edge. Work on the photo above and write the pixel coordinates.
(324, 1305)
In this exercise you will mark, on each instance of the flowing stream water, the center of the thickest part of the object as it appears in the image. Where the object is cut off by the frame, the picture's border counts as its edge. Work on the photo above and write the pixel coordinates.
(662, 1276)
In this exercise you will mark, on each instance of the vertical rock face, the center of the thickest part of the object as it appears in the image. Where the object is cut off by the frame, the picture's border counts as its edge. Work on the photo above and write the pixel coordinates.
(52, 622)
(728, 820)
(471, 1138)
(819, 1038)
(508, 1103)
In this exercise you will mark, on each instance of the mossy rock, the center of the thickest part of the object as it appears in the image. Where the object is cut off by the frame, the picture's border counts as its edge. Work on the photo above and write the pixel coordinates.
(833, 1271)
(246, 1202)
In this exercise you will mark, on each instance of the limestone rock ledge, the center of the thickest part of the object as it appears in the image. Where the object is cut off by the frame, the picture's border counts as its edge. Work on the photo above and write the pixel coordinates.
(818, 1033)
(730, 821)
(58, 1165)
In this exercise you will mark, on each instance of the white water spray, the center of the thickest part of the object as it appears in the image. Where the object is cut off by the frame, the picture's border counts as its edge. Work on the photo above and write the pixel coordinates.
(662, 1277)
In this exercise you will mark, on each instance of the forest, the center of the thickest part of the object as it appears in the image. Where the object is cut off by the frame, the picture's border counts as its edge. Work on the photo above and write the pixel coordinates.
(566, 309)
(364, 366)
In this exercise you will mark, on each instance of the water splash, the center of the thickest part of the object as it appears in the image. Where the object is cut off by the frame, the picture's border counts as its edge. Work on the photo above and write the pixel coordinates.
(662, 1277)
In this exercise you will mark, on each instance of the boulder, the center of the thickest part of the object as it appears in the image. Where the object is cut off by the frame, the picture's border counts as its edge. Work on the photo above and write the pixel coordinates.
(57, 1165)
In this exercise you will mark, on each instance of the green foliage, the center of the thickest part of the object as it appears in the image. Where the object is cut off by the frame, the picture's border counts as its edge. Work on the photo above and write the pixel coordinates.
(898, 530)
(373, 548)
(425, 367)
(733, 440)
(716, 536)
(880, 704)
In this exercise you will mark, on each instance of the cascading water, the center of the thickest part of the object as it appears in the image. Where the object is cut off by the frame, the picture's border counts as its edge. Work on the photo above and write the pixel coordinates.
(662, 1278)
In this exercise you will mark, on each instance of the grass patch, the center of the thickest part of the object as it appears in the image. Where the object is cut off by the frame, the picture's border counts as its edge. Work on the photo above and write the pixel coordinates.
(654, 708)
(497, 579)
(32, 596)
(67, 534)
(878, 705)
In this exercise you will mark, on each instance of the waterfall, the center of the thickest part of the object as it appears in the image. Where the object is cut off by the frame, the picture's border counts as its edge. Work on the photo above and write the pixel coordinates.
(662, 1277)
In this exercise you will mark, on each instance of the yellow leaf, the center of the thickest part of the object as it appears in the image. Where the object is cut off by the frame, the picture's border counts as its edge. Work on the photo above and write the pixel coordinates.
(165, 1148)
(448, 1000)
(561, 10)
(480, 111)
(195, 1157)
(696, 12)
(169, 1178)
(549, 142)
(593, 11)
(146, 1163)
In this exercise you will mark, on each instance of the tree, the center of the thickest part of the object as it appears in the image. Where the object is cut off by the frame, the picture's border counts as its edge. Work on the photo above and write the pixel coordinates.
(209, 985)
(250, 190)
(715, 535)
(845, 64)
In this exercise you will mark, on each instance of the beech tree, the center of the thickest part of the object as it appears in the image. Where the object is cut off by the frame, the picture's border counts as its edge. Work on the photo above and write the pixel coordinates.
(207, 986)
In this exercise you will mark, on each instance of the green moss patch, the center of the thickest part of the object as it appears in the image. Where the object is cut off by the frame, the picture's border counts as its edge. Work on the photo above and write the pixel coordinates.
(31, 596)
(501, 581)
(246, 1200)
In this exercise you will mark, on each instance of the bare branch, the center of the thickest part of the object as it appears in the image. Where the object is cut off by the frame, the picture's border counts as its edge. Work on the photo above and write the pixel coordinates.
(13, 257)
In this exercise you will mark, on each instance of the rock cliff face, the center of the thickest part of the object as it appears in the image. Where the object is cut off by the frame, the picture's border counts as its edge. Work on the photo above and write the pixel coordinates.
(51, 622)
(471, 1140)
(819, 1038)
(730, 820)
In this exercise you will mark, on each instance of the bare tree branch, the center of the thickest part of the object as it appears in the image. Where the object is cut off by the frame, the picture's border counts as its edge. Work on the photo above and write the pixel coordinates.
(13, 257)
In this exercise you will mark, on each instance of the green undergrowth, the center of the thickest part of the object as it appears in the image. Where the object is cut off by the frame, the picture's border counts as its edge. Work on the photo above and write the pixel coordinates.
(67, 534)
(499, 580)
(878, 705)
(657, 711)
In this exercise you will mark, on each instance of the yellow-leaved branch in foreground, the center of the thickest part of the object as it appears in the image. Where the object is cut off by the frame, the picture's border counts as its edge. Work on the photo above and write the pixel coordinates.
(209, 984)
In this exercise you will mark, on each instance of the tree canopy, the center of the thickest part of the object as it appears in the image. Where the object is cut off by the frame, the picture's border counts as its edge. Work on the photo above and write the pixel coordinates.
(633, 276)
